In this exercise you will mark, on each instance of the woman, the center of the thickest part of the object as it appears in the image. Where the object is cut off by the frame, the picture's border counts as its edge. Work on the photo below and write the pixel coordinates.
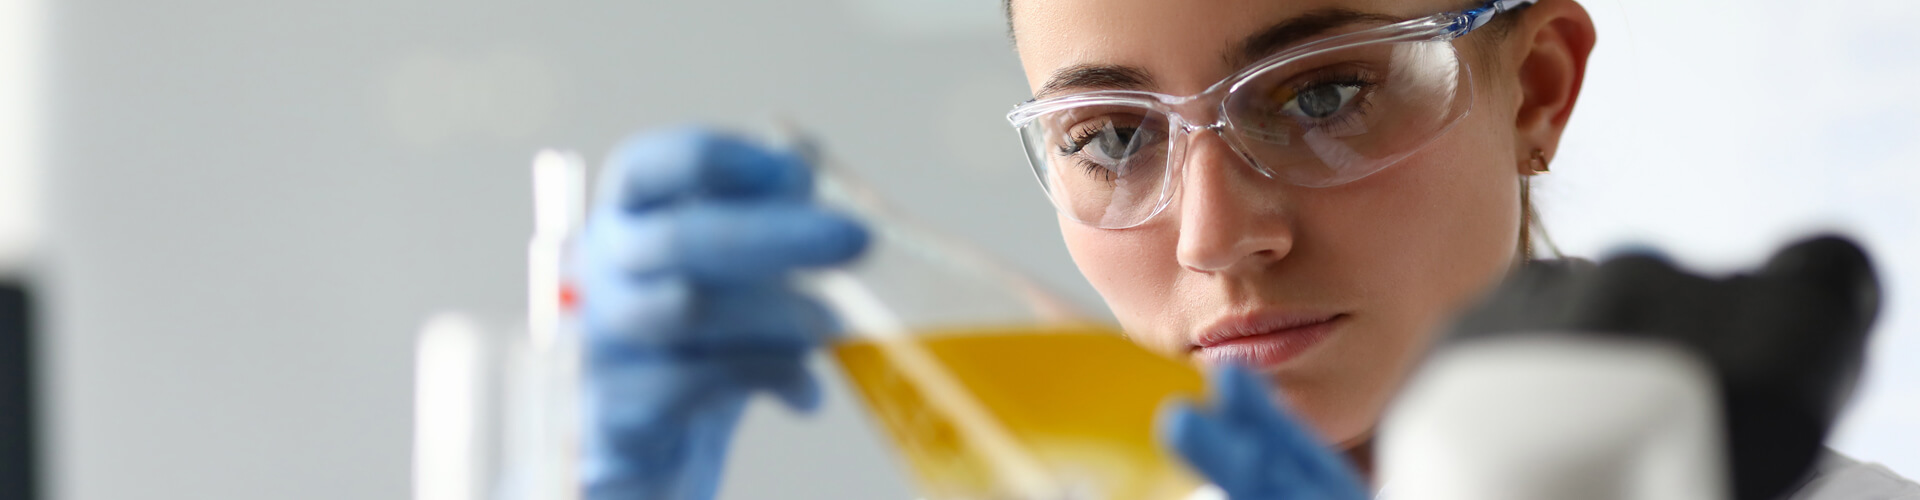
(1340, 210)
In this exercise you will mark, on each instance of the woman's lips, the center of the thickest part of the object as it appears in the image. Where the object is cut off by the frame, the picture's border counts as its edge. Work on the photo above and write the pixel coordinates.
(1263, 341)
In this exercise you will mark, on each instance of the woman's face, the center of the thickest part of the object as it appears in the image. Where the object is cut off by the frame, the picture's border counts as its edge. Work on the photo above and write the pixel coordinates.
(1383, 260)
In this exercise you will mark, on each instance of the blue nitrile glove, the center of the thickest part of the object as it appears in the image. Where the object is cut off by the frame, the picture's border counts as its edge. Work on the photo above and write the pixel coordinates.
(686, 307)
(1252, 450)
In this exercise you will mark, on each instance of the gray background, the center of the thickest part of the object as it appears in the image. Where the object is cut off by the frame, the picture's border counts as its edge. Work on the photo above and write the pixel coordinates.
(251, 206)
(256, 204)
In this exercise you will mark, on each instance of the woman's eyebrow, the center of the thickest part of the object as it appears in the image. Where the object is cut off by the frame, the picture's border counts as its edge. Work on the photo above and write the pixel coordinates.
(1252, 48)
(1095, 77)
(1298, 29)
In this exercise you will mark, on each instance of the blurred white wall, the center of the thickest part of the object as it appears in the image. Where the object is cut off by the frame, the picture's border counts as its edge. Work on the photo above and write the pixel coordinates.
(253, 205)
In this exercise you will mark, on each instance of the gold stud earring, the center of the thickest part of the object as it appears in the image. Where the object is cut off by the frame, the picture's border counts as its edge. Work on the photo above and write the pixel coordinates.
(1538, 161)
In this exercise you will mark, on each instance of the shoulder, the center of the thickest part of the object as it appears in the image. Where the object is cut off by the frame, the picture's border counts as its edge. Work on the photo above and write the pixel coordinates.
(1839, 477)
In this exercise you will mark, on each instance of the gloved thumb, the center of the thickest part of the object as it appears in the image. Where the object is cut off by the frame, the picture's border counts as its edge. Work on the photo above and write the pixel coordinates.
(799, 391)
(787, 378)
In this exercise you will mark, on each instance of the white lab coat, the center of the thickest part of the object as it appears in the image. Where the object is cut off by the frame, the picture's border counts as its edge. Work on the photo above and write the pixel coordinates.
(1835, 477)
(1839, 477)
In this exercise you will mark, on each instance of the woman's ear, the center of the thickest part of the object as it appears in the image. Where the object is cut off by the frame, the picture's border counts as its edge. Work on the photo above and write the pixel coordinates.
(1550, 45)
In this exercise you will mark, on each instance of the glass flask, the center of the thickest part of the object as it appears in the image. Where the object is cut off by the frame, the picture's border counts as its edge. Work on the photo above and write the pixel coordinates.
(989, 385)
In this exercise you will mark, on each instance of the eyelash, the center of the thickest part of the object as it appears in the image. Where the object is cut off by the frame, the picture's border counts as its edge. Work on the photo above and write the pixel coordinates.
(1096, 170)
(1361, 101)
(1081, 139)
(1354, 78)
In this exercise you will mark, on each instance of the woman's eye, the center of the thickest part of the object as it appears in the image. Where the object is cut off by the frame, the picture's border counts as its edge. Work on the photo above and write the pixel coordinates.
(1321, 101)
(1113, 144)
(1109, 144)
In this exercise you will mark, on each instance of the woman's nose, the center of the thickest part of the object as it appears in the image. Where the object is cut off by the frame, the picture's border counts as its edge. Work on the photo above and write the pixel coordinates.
(1229, 214)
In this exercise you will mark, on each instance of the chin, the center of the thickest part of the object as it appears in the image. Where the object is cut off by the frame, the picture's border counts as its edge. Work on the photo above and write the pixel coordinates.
(1342, 417)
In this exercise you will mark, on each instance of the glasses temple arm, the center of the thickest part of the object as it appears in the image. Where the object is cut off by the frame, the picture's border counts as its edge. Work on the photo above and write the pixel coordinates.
(1473, 19)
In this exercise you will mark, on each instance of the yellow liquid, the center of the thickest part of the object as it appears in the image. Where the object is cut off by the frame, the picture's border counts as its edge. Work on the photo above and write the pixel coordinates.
(1077, 402)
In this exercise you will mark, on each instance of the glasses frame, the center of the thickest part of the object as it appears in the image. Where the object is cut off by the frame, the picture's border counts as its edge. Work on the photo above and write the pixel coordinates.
(1443, 27)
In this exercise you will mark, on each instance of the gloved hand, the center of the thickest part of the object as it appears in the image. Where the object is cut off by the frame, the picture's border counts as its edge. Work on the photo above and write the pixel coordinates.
(1252, 450)
(686, 308)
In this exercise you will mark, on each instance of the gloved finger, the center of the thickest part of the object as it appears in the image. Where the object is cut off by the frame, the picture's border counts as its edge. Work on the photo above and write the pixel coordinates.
(1291, 447)
(1253, 450)
(662, 427)
(1246, 406)
(800, 392)
(1243, 396)
(1224, 442)
(654, 169)
(722, 242)
(613, 305)
(768, 312)
(679, 463)
(661, 396)
(786, 377)
(671, 317)
(1207, 444)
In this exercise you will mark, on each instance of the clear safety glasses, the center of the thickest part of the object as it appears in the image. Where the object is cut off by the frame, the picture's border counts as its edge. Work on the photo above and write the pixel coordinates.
(1319, 115)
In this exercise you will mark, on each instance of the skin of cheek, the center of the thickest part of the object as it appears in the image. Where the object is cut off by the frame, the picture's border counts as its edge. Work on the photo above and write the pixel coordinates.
(1400, 250)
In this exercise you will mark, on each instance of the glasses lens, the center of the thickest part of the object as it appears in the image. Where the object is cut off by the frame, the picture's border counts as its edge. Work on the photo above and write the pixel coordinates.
(1103, 164)
(1334, 116)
